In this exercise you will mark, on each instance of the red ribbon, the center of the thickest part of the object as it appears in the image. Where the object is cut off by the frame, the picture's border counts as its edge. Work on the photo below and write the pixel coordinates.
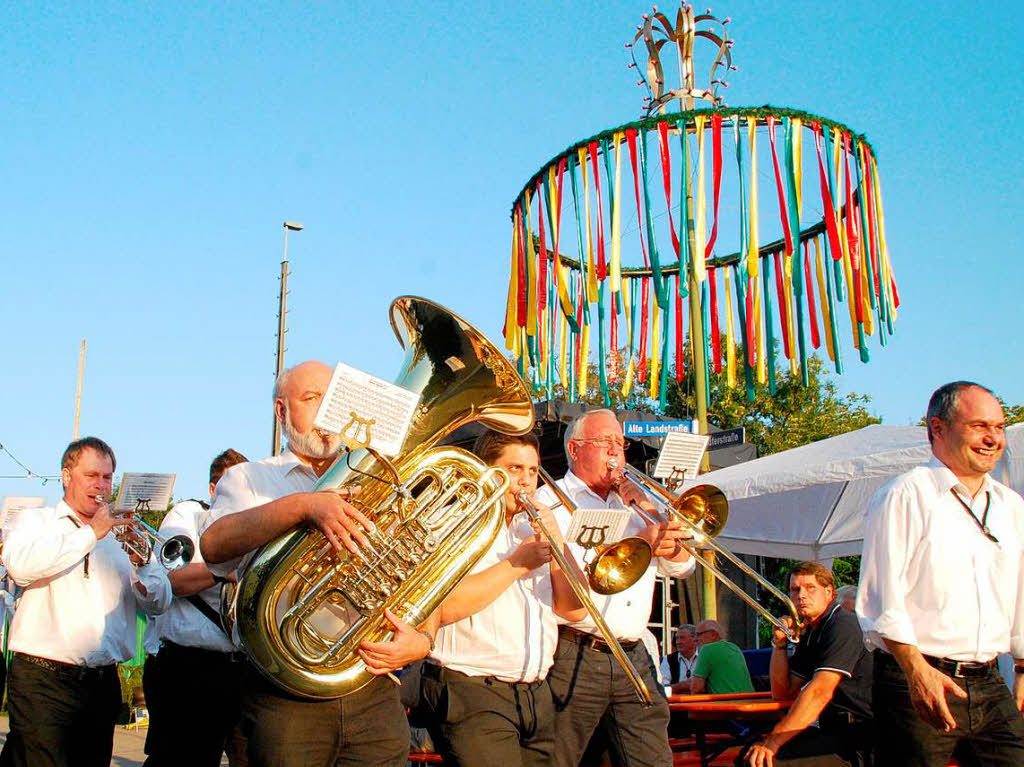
(631, 141)
(602, 268)
(666, 174)
(716, 341)
(826, 199)
(751, 320)
(521, 264)
(851, 231)
(645, 292)
(783, 304)
(716, 164)
(868, 200)
(783, 215)
(542, 266)
(812, 309)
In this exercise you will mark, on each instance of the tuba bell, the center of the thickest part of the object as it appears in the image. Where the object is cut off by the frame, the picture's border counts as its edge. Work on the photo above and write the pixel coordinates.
(303, 608)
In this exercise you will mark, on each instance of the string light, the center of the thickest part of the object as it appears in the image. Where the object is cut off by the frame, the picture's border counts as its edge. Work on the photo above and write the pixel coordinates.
(29, 474)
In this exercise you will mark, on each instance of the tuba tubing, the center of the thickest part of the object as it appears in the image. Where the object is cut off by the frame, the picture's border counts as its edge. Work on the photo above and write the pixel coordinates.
(301, 609)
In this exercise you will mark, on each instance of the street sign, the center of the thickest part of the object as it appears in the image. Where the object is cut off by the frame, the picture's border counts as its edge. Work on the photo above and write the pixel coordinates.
(636, 429)
(727, 438)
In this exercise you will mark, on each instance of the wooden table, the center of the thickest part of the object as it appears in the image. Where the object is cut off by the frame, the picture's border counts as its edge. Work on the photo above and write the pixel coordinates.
(700, 710)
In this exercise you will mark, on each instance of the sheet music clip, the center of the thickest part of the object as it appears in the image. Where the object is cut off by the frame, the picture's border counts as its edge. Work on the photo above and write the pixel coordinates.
(676, 478)
(350, 433)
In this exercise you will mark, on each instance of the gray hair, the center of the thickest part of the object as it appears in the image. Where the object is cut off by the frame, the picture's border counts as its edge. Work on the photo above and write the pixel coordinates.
(281, 381)
(689, 628)
(846, 591)
(576, 426)
(944, 401)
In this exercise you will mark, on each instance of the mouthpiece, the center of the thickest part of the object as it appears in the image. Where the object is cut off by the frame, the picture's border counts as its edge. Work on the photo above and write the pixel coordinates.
(613, 463)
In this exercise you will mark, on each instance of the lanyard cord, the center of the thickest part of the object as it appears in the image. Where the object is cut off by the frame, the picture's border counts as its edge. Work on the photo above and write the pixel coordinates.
(983, 522)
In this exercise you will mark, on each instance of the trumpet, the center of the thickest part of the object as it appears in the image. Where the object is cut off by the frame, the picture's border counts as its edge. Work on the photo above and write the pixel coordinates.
(575, 583)
(141, 540)
(703, 511)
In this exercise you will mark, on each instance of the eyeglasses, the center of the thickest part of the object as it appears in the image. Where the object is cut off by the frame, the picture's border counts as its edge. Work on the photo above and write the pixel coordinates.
(608, 443)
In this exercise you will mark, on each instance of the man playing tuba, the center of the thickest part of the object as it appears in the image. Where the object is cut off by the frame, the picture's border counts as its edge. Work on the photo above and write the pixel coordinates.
(255, 503)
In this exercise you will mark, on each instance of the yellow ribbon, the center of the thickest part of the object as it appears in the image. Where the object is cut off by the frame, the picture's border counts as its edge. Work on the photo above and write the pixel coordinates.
(616, 265)
(753, 257)
(655, 353)
(563, 275)
(699, 269)
(584, 368)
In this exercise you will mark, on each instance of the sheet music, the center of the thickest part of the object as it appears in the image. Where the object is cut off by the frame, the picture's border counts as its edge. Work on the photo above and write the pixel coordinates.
(682, 451)
(597, 527)
(141, 492)
(356, 403)
(15, 504)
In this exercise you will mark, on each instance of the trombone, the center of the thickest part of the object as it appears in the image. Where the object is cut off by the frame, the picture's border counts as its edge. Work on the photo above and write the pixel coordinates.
(703, 511)
(576, 584)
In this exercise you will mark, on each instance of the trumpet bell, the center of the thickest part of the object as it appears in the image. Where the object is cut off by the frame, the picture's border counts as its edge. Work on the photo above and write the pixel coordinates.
(177, 552)
(705, 507)
(619, 566)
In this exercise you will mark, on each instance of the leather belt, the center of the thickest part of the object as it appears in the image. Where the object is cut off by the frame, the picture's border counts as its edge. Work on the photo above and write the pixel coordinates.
(592, 642)
(963, 669)
(68, 669)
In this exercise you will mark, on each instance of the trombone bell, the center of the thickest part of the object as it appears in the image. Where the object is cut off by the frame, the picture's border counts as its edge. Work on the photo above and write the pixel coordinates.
(619, 566)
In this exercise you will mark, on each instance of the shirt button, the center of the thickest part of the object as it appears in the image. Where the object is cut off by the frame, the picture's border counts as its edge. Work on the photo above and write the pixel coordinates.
(629, 604)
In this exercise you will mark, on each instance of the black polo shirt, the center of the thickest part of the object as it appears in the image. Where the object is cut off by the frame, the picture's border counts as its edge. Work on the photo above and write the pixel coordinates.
(837, 644)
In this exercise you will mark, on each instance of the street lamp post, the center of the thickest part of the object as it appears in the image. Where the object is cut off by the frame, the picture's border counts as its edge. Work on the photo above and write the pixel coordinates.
(275, 444)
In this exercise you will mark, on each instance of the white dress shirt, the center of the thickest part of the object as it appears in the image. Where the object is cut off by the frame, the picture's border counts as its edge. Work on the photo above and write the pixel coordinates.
(64, 614)
(183, 624)
(627, 612)
(247, 485)
(930, 577)
(514, 637)
(686, 667)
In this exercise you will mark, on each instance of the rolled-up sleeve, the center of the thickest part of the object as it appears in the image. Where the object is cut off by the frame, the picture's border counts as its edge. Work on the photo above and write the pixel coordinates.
(1017, 622)
(40, 548)
(159, 594)
(892, 531)
(676, 569)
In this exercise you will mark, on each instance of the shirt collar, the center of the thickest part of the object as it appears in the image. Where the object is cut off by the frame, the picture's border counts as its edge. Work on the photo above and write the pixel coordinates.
(574, 484)
(290, 462)
(63, 510)
(946, 480)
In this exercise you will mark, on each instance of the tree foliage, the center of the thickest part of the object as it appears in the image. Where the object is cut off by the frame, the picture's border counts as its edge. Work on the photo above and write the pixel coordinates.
(795, 415)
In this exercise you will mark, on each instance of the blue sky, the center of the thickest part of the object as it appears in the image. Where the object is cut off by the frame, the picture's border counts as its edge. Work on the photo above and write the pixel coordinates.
(152, 151)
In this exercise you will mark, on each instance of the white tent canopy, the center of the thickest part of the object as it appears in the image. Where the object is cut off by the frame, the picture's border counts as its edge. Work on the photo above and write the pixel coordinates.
(809, 502)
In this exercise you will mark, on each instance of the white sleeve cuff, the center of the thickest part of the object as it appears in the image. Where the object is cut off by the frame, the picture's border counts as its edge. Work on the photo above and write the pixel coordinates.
(892, 624)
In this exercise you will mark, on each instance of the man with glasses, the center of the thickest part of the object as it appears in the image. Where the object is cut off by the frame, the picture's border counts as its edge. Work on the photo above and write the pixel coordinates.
(591, 690)
(721, 667)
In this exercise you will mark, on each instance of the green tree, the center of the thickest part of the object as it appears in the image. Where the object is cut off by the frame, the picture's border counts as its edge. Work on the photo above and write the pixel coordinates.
(795, 415)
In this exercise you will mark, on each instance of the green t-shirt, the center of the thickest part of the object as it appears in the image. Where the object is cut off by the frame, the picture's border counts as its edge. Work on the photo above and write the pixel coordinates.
(724, 668)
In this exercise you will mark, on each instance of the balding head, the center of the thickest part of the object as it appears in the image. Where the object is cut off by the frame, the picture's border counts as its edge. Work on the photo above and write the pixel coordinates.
(709, 631)
(297, 396)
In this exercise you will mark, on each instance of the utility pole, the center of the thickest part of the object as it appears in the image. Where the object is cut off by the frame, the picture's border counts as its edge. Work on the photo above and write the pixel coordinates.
(78, 389)
(282, 310)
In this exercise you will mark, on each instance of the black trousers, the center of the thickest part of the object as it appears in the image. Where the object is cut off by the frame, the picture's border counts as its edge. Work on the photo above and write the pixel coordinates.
(62, 716)
(836, 746)
(193, 697)
(484, 721)
(988, 722)
(591, 691)
(366, 728)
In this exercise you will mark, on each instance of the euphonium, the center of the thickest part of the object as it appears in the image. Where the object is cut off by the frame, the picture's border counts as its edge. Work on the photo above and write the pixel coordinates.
(302, 608)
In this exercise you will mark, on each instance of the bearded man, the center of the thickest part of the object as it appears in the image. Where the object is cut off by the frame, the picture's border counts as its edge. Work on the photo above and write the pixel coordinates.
(255, 503)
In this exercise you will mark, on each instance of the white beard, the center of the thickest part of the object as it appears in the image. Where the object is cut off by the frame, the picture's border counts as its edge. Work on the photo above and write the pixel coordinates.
(313, 444)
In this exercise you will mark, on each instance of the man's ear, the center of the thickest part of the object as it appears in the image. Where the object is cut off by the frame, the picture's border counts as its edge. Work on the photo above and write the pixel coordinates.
(279, 409)
(65, 478)
(938, 425)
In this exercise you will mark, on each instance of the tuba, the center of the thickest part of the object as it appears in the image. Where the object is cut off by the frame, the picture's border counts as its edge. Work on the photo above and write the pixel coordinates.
(303, 608)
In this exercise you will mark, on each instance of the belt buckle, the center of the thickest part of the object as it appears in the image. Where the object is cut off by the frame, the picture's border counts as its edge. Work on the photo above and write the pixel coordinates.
(957, 670)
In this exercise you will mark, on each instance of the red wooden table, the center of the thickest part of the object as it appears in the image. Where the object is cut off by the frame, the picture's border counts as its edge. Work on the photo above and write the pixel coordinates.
(699, 710)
